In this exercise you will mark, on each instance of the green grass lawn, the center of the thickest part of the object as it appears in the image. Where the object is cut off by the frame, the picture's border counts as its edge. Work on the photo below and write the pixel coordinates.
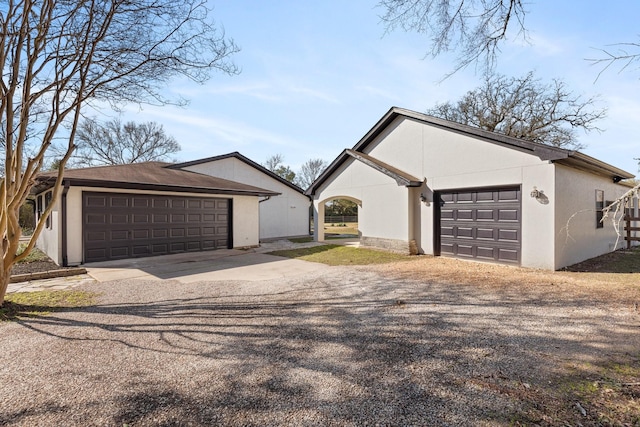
(342, 255)
(32, 304)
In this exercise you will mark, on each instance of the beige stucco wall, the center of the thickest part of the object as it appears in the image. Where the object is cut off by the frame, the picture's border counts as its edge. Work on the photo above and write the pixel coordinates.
(577, 237)
(245, 222)
(280, 216)
(448, 161)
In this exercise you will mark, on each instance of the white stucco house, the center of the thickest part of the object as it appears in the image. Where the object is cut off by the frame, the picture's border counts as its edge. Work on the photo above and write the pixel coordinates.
(286, 215)
(436, 187)
(154, 208)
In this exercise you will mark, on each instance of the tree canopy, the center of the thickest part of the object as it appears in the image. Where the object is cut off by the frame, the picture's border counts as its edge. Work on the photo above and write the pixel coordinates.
(526, 108)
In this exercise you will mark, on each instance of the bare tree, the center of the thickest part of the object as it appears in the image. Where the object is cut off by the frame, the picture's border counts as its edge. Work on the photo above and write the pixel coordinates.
(526, 108)
(476, 28)
(114, 143)
(59, 56)
(273, 162)
(472, 28)
(309, 171)
(275, 165)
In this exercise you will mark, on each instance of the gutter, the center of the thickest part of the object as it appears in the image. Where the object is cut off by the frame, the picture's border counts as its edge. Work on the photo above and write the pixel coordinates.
(63, 208)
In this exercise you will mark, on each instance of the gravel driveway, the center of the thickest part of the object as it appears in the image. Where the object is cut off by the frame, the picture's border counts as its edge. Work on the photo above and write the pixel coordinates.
(346, 346)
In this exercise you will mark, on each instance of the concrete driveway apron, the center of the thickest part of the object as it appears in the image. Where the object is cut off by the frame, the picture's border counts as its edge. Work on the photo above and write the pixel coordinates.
(225, 264)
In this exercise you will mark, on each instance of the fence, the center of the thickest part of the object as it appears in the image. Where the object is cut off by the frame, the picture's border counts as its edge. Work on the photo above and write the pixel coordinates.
(332, 219)
(628, 228)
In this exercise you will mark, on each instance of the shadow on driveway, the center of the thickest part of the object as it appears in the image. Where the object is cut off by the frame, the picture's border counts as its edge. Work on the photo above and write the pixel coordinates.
(226, 264)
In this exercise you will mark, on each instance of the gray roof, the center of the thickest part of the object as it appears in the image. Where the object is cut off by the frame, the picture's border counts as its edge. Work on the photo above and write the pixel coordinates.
(543, 152)
(149, 176)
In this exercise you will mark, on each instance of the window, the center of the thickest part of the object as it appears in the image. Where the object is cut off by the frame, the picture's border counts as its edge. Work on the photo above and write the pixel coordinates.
(39, 207)
(599, 207)
(47, 200)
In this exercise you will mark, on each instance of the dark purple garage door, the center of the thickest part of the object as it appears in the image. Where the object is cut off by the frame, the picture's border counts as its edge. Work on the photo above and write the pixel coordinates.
(483, 224)
(120, 225)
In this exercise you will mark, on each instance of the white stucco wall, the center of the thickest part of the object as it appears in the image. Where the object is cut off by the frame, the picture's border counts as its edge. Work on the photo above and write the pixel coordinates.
(281, 216)
(49, 241)
(245, 222)
(577, 237)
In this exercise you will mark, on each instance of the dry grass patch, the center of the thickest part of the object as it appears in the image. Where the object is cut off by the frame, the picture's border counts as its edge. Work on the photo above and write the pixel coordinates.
(342, 255)
(621, 288)
(33, 304)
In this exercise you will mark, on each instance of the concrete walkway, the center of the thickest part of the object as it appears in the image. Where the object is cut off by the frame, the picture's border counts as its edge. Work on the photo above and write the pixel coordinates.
(225, 264)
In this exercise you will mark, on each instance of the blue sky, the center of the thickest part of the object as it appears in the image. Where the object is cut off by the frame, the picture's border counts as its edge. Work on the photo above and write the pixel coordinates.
(316, 76)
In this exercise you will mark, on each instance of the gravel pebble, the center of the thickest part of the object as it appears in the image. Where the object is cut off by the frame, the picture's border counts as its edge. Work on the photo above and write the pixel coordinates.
(347, 347)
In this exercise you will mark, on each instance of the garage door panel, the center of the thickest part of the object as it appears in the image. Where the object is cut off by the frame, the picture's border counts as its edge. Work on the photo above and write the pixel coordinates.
(119, 252)
(509, 195)
(485, 196)
(160, 218)
(481, 224)
(464, 215)
(487, 253)
(119, 219)
(485, 233)
(464, 250)
(96, 219)
(178, 218)
(509, 235)
(509, 215)
(464, 232)
(486, 215)
(119, 202)
(118, 225)
(446, 214)
(97, 201)
(119, 234)
(177, 232)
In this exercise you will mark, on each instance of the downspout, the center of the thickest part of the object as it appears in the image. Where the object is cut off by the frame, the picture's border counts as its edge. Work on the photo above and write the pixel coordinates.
(63, 208)
(265, 199)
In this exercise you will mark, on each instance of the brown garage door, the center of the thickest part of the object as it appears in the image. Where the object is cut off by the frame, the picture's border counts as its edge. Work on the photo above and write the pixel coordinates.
(482, 224)
(118, 226)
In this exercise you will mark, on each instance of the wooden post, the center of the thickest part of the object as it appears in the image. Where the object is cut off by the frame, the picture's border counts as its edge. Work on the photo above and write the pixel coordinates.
(627, 219)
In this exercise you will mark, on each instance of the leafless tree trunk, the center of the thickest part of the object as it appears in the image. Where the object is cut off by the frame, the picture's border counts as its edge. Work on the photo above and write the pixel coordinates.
(57, 56)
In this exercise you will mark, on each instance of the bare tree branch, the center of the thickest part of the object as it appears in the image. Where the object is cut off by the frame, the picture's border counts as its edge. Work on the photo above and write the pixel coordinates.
(474, 28)
(115, 143)
(525, 108)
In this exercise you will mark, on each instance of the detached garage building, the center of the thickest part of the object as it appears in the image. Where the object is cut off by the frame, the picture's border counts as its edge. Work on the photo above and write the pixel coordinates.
(436, 187)
(145, 209)
(287, 215)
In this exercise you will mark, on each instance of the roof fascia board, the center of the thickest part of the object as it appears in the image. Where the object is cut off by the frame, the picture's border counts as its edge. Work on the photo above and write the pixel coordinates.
(158, 187)
(400, 177)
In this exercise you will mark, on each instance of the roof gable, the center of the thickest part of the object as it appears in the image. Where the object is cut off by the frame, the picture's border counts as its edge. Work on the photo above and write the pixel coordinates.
(246, 160)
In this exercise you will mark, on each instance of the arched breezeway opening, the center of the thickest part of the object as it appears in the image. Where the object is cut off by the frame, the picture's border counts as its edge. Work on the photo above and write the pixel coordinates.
(336, 216)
